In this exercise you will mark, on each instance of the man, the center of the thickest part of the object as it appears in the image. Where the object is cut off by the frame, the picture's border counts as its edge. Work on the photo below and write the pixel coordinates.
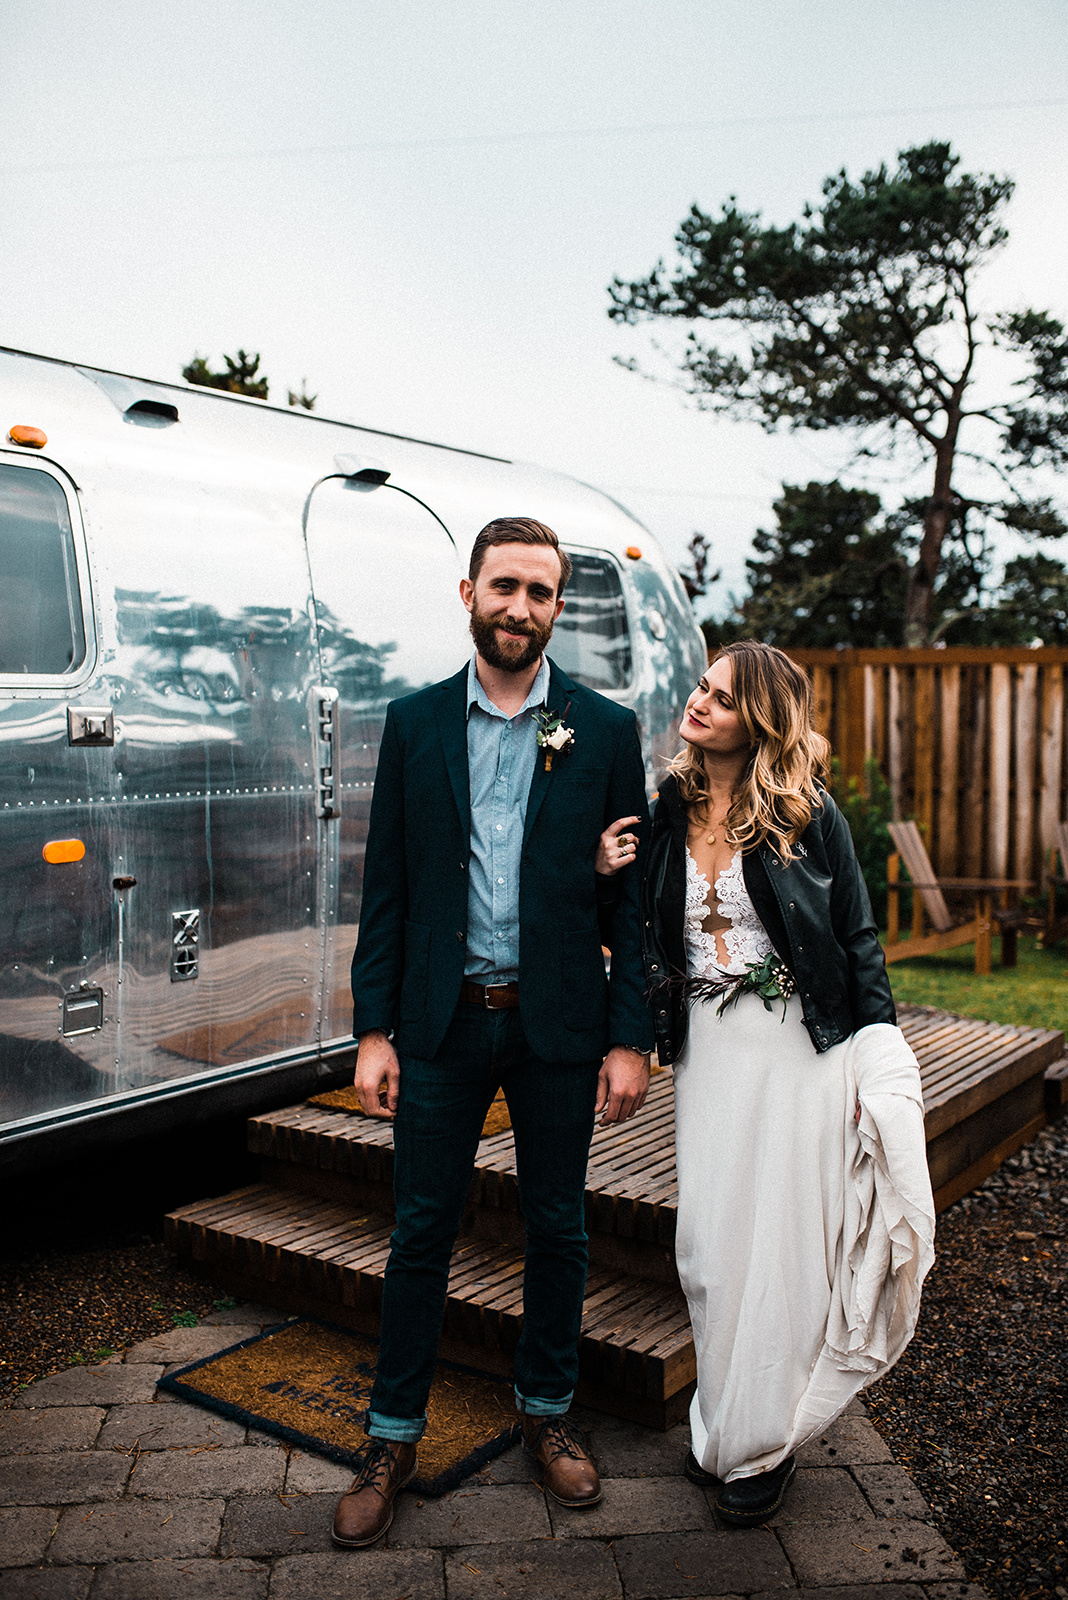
(479, 965)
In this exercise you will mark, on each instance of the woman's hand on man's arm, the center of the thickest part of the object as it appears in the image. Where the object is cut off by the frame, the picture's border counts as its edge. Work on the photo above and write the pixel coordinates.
(616, 848)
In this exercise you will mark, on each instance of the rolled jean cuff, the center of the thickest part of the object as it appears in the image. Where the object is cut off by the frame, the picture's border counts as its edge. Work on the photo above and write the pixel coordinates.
(398, 1430)
(532, 1405)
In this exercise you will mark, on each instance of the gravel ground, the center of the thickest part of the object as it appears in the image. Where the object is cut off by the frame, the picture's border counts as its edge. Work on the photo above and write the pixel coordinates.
(977, 1408)
(59, 1309)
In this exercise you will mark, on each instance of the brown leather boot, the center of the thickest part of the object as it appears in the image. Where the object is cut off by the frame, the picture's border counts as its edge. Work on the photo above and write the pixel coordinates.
(567, 1473)
(365, 1510)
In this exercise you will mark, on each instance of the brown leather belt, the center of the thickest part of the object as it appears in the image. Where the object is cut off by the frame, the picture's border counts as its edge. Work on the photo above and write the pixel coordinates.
(493, 996)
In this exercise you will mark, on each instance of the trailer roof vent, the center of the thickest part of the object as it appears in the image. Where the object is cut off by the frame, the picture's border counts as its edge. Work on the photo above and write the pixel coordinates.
(362, 469)
(153, 413)
(148, 405)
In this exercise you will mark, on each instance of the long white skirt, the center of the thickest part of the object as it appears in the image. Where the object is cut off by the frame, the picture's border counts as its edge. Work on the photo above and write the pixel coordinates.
(765, 1136)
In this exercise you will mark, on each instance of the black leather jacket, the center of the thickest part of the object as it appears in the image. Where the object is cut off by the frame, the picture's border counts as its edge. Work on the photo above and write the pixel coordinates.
(815, 910)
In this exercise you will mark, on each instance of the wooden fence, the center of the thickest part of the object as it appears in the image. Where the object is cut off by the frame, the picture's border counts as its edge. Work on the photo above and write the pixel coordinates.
(972, 743)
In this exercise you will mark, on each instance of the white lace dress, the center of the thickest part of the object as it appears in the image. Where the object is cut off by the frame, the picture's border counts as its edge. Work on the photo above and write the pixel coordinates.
(764, 1131)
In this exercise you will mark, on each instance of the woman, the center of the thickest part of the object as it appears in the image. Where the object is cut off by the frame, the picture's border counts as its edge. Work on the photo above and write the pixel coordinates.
(805, 1220)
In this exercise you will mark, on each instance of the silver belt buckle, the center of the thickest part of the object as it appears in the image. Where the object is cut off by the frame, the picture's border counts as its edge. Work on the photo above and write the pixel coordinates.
(493, 988)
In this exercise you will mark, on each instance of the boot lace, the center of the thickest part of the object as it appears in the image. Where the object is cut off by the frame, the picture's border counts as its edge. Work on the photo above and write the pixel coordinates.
(559, 1438)
(378, 1468)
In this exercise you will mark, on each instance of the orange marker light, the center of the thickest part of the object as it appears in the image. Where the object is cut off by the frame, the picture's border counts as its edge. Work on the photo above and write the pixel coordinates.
(22, 433)
(634, 553)
(57, 850)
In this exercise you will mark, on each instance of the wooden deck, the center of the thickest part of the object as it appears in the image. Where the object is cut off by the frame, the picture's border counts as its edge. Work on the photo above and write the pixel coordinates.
(314, 1235)
(983, 1092)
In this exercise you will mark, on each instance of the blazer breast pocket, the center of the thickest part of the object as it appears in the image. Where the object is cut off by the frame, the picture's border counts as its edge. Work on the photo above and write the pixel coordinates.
(416, 979)
(569, 773)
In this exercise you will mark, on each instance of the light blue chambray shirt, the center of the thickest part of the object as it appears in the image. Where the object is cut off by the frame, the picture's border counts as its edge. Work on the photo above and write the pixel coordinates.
(501, 752)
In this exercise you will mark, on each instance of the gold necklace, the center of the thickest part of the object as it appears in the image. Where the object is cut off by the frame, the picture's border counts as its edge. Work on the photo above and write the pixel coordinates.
(710, 837)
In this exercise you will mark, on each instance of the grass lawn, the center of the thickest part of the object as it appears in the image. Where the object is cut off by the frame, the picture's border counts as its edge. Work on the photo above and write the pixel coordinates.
(1033, 994)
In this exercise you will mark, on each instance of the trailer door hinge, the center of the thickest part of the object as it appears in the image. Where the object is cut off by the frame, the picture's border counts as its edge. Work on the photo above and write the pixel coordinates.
(326, 750)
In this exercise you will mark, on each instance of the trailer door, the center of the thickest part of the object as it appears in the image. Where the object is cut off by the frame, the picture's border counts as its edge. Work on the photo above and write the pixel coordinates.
(58, 995)
(385, 577)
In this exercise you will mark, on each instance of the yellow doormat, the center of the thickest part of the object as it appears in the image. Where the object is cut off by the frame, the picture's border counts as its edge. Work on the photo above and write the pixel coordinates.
(309, 1384)
(497, 1118)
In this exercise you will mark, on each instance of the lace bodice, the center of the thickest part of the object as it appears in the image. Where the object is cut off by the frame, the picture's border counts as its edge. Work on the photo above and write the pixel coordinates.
(744, 939)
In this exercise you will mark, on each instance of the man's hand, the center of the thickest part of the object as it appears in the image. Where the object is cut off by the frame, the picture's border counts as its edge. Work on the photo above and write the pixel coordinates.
(622, 1086)
(377, 1077)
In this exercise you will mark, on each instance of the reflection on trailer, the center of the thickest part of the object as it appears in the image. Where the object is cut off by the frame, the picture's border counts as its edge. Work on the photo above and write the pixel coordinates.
(206, 604)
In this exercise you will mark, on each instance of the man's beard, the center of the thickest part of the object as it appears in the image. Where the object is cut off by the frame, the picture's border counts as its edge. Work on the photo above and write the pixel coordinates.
(501, 653)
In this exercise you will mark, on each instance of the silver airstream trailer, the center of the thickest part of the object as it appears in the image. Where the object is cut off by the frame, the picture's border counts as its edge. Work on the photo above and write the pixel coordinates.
(206, 603)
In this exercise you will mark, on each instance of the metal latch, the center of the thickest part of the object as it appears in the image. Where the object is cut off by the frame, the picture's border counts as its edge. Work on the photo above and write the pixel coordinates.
(83, 1011)
(326, 751)
(185, 946)
(88, 726)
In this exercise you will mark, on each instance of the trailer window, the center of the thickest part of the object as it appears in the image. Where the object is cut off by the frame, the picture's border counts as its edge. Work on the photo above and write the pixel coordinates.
(591, 640)
(41, 631)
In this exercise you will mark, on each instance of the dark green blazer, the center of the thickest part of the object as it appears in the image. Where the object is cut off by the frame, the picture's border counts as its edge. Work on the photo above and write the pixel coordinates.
(409, 960)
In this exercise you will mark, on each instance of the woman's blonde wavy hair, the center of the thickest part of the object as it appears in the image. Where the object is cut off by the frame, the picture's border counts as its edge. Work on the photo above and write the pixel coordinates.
(779, 787)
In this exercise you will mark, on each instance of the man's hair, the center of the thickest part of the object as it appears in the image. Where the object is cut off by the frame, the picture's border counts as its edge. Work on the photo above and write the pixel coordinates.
(517, 530)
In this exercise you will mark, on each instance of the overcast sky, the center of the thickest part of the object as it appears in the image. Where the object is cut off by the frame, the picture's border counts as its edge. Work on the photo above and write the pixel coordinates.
(417, 206)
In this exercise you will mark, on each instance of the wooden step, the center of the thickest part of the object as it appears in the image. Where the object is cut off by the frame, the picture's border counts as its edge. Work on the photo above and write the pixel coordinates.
(631, 1190)
(303, 1253)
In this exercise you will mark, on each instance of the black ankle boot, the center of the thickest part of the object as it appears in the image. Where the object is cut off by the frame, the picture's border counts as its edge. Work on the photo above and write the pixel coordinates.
(697, 1474)
(747, 1502)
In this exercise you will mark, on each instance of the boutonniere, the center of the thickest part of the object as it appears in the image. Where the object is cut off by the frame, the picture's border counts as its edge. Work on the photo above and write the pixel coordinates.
(552, 736)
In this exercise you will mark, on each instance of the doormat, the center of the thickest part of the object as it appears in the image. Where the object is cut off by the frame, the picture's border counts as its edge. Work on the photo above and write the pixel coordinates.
(309, 1383)
(497, 1118)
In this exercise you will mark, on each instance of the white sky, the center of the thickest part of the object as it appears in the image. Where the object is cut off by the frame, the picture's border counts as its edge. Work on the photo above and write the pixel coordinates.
(418, 206)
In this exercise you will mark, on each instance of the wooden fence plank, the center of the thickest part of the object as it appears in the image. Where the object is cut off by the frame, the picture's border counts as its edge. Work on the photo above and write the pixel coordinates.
(871, 735)
(973, 808)
(893, 739)
(997, 861)
(852, 719)
(879, 750)
(1052, 755)
(823, 700)
(1026, 717)
(946, 858)
(923, 754)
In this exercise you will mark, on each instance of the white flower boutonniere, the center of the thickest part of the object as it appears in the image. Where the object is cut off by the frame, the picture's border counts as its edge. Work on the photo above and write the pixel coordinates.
(552, 736)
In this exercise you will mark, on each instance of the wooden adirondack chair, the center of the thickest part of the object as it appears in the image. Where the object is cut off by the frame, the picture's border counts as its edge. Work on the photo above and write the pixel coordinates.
(929, 904)
(1056, 927)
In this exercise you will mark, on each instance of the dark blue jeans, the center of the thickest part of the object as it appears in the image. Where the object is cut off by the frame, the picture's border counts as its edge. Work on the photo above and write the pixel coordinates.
(443, 1104)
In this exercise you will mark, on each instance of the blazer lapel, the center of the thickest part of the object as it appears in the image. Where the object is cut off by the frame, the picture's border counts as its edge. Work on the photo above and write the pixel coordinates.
(560, 691)
(451, 712)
